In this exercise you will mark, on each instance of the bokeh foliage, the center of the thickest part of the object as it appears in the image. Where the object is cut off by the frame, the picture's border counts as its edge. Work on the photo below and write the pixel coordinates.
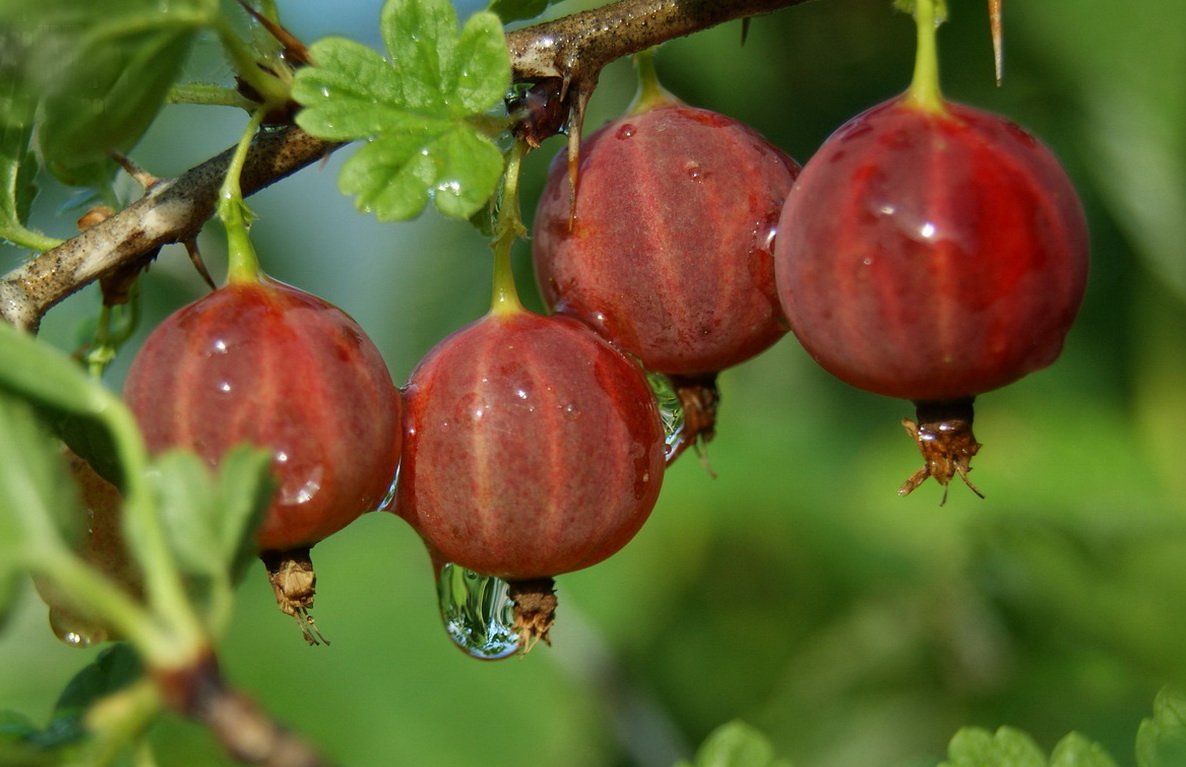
(796, 590)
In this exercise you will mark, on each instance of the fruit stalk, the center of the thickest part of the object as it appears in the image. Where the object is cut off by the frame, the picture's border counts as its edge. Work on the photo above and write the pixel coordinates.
(242, 261)
(924, 91)
(508, 228)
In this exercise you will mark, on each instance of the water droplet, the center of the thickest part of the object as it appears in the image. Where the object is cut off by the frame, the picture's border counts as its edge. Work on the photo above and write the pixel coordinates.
(388, 503)
(694, 171)
(478, 613)
(671, 412)
(571, 410)
(625, 132)
(74, 630)
(452, 186)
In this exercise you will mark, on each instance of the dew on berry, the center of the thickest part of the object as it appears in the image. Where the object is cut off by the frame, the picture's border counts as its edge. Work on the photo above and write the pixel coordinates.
(933, 252)
(664, 245)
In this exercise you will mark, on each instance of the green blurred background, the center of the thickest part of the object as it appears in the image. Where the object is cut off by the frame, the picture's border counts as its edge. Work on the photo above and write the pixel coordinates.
(795, 590)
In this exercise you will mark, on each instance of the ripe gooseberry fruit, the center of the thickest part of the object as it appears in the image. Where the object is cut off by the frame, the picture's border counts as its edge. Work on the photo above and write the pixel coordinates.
(933, 252)
(532, 448)
(666, 248)
(262, 362)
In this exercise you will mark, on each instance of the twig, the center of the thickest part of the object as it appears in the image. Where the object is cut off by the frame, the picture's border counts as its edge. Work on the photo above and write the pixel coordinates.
(245, 731)
(574, 48)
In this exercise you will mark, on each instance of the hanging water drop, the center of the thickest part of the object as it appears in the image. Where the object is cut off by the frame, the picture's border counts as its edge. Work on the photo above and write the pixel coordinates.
(74, 630)
(478, 612)
(671, 411)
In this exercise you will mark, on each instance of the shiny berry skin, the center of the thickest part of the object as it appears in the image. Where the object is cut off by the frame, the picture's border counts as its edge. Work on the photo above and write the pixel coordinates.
(532, 447)
(266, 363)
(669, 252)
(931, 255)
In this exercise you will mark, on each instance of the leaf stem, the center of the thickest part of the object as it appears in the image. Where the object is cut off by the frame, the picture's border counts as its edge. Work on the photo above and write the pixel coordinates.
(242, 261)
(924, 92)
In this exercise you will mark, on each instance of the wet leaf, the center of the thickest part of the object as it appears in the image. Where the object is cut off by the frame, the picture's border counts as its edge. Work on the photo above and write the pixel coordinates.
(421, 111)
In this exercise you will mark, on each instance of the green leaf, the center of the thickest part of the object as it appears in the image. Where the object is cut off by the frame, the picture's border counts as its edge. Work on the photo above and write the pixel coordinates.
(111, 671)
(211, 521)
(394, 175)
(1074, 750)
(516, 10)
(16, 747)
(420, 36)
(18, 166)
(736, 744)
(423, 112)
(38, 507)
(1161, 740)
(102, 71)
(1007, 747)
(246, 485)
(44, 376)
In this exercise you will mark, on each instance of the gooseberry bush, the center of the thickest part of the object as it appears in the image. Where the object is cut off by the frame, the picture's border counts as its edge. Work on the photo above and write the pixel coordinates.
(927, 251)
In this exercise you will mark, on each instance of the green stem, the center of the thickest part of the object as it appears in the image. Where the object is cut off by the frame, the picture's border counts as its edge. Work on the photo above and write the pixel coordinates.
(208, 94)
(119, 719)
(242, 261)
(111, 604)
(508, 228)
(924, 92)
(651, 92)
(184, 638)
(273, 92)
(29, 238)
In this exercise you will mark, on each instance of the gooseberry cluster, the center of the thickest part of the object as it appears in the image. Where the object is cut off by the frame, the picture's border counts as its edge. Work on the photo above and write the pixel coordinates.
(928, 251)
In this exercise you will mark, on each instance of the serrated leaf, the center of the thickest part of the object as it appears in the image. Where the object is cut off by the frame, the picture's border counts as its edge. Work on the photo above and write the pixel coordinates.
(478, 74)
(420, 36)
(1007, 747)
(102, 71)
(420, 111)
(1161, 740)
(210, 521)
(395, 175)
(737, 744)
(1075, 750)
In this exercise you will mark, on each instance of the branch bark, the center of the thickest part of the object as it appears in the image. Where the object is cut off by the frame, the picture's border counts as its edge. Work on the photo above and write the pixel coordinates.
(574, 48)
